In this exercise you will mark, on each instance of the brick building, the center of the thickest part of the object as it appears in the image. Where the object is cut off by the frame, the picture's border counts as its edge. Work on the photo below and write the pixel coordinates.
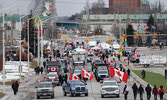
(124, 6)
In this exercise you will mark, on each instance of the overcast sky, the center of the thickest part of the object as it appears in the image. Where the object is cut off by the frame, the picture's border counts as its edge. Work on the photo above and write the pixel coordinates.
(64, 7)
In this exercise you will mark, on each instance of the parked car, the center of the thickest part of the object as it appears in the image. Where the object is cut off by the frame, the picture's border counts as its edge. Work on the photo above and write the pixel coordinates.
(52, 77)
(75, 87)
(109, 87)
(45, 89)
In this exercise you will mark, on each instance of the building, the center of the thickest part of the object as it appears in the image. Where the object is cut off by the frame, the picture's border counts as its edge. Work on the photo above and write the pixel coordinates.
(125, 6)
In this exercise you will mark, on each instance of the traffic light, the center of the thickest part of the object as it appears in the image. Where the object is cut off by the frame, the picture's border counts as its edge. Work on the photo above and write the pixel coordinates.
(87, 39)
(122, 39)
(24, 39)
(109, 40)
(59, 36)
(137, 35)
(65, 40)
(155, 35)
(120, 20)
(11, 38)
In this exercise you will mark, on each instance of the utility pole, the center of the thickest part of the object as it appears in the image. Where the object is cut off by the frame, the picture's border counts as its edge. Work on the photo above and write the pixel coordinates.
(87, 15)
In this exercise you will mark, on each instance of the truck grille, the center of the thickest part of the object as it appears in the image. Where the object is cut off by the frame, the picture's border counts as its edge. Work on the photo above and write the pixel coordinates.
(45, 90)
(110, 89)
(80, 88)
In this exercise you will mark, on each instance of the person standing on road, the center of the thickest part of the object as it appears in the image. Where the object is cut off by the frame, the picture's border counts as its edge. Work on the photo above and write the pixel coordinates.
(41, 70)
(128, 71)
(15, 87)
(128, 59)
(60, 79)
(143, 73)
(155, 92)
(141, 91)
(148, 90)
(36, 69)
(125, 92)
(161, 92)
(135, 89)
(66, 76)
(50, 58)
(119, 57)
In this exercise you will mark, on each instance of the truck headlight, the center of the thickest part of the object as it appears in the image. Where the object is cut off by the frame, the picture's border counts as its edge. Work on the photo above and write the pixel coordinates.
(86, 88)
(72, 88)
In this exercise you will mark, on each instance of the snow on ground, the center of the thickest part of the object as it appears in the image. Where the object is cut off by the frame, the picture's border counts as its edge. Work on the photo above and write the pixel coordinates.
(12, 70)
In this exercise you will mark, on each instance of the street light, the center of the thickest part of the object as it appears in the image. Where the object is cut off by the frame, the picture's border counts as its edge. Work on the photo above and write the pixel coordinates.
(4, 44)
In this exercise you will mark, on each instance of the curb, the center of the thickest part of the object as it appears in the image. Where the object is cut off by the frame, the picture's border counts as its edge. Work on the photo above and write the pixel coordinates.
(6, 97)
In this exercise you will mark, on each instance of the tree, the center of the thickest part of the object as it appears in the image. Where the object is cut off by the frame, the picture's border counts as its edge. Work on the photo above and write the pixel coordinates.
(149, 41)
(140, 42)
(150, 23)
(130, 31)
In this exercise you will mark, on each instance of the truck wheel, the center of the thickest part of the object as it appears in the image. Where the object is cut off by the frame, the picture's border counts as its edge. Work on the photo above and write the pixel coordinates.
(118, 96)
(98, 80)
(102, 96)
(64, 92)
(52, 96)
(86, 94)
(137, 60)
(38, 97)
(72, 94)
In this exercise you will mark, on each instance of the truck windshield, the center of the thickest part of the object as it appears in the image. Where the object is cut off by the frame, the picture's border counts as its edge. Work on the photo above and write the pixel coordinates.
(76, 83)
(44, 85)
(103, 72)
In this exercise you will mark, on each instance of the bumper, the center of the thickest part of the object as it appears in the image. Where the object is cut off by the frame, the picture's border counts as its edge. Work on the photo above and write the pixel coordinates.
(103, 92)
(45, 93)
(79, 92)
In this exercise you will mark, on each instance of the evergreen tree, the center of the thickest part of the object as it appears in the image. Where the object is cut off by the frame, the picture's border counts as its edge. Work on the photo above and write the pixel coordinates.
(148, 40)
(130, 31)
(140, 42)
(32, 35)
(150, 23)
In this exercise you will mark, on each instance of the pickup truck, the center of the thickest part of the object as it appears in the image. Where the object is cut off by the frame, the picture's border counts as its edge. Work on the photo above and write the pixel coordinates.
(73, 87)
(101, 73)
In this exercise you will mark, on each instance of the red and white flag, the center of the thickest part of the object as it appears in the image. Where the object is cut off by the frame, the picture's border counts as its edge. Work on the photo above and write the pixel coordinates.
(146, 27)
(53, 69)
(122, 75)
(73, 77)
(85, 74)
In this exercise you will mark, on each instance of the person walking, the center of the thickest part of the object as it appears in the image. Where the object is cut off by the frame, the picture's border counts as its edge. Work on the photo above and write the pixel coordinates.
(161, 92)
(128, 71)
(15, 87)
(50, 58)
(135, 89)
(125, 92)
(143, 73)
(141, 91)
(36, 69)
(119, 57)
(41, 70)
(66, 76)
(148, 90)
(44, 64)
(155, 92)
(60, 79)
(128, 59)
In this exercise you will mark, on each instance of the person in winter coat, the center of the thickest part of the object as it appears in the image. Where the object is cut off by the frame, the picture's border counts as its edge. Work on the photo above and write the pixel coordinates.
(15, 87)
(128, 71)
(66, 76)
(135, 89)
(143, 73)
(161, 92)
(148, 90)
(141, 91)
(41, 70)
(155, 92)
(60, 79)
(125, 92)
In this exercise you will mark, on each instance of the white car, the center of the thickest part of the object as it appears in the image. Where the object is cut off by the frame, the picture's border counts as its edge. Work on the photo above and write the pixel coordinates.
(109, 87)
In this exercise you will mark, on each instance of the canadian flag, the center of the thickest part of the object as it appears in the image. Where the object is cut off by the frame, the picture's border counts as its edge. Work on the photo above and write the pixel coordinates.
(122, 75)
(85, 74)
(53, 69)
(72, 77)
(146, 27)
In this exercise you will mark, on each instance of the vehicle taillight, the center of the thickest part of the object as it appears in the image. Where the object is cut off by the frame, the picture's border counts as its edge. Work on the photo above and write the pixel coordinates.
(56, 77)
(47, 77)
(53, 80)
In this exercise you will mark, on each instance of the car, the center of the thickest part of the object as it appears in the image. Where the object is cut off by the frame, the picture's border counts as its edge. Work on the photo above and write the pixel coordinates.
(76, 72)
(89, 57)
(73, 87)
(110, 87)
(127, 52)
(45, 89)
(100, 74)
(94, 59)
(97, 62)
(52, 77)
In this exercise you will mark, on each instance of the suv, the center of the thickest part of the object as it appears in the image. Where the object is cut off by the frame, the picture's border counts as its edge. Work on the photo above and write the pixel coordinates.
(45, 89)
(75, 87)
(101, 74)
(110, 87)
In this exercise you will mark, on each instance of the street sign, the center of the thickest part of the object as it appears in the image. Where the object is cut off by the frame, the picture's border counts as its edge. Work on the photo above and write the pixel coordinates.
(125, 42)
(120, 48)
